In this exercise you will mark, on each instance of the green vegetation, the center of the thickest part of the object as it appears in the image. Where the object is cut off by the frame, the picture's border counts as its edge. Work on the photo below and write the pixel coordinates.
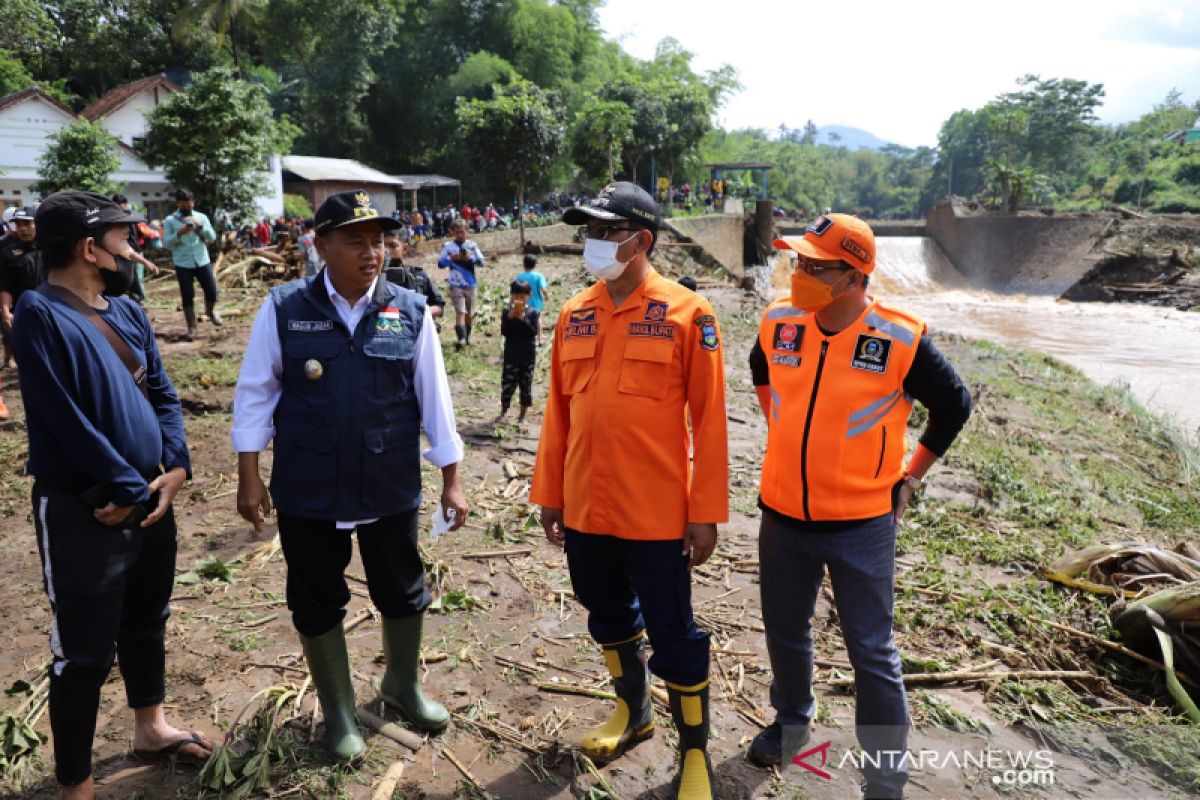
(80, 156)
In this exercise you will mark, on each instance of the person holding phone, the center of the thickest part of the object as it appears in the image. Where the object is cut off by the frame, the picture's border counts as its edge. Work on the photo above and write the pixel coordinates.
(108, 456)
(519, 327)
(188, 233)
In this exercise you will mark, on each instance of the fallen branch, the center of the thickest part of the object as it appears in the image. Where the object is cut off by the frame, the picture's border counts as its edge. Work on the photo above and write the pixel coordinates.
(387, 784)
(399, 735)
(516, 551)
(466, 773)
(969, 676)
(1119, 648)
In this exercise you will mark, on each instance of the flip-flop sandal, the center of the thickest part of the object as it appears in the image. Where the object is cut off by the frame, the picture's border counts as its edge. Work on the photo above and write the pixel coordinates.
(174, 751)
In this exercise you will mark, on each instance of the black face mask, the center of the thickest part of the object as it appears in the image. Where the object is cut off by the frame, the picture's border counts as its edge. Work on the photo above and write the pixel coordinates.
(119, 281)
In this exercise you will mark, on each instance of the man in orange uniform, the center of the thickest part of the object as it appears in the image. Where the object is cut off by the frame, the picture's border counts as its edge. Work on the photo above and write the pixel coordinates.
(632, 356)
(836, 373)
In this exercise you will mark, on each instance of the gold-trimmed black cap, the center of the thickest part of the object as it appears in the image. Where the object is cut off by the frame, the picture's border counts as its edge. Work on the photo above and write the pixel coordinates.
(620, 200)
(350, 208)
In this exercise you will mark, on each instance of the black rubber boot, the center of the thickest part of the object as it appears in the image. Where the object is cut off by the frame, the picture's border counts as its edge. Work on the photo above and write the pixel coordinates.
(189, 315)
(210, 309)
(689, 708)
(633, 719)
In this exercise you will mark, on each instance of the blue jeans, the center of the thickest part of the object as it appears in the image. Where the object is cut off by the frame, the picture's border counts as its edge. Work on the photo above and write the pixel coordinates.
(628, 585)
(861, 563)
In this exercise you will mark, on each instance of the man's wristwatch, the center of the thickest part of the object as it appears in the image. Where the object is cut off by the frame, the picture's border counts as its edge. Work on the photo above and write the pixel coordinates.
(912, 482)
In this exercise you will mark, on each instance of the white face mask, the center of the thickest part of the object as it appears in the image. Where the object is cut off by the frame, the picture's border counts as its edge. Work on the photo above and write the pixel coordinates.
(600, 258)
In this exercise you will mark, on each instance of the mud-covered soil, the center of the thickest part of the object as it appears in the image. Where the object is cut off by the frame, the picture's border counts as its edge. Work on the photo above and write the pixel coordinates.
(1049, 461)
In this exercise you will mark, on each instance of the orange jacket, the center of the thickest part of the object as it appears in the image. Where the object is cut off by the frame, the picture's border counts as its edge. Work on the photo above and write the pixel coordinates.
(839, 413)
(614, 447)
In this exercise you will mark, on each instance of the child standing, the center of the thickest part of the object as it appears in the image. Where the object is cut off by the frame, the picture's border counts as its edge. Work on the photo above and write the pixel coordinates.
(538, 295)
(519, 327)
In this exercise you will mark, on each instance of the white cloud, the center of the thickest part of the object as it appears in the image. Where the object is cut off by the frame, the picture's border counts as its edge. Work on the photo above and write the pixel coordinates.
(899, 70)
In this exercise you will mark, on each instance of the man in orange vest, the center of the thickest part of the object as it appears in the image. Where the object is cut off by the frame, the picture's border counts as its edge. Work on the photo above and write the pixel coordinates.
(836, 372)
(632, 356)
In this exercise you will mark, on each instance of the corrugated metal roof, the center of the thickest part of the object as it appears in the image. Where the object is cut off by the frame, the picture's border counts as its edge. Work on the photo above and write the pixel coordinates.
(410, 182)
(315, 168)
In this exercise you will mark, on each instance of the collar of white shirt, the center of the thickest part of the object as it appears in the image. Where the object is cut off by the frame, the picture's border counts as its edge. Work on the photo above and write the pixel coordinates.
(350, 314)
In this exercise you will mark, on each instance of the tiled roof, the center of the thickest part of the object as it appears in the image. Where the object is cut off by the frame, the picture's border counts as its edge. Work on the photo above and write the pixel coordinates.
(114, 99)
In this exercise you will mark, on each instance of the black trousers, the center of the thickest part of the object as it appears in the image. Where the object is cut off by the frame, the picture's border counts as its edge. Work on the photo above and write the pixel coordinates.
(109, 590)
(317, 554)
(187, 289)
(516, 374)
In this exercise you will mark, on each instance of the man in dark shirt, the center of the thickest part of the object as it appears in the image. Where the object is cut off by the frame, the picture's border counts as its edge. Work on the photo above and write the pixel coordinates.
(20, 271)
(519, 327)
(836, 373)
(410, 276)
(108, 455)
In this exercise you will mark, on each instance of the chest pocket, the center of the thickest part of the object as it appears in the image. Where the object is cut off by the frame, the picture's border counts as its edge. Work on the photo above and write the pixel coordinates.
(646, 367)
(301, 348)
(391, 354)
(578, 364)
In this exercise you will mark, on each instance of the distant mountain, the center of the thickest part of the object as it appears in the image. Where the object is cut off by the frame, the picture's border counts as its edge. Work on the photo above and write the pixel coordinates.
(852, 138)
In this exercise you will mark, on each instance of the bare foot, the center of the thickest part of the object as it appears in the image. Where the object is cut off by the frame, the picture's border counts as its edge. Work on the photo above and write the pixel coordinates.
(152, 734)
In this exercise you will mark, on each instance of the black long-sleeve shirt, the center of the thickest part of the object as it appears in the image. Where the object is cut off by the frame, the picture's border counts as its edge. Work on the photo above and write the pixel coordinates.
(931, 380)
(87, 420)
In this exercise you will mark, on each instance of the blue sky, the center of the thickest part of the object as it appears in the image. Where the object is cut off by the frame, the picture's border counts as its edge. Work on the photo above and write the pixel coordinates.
(898, 69)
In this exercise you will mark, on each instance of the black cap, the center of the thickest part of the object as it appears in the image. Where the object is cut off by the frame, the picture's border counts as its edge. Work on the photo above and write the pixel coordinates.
(184, 194)
(67, 215)
(25, 213)
(350, 208)
(620, 200)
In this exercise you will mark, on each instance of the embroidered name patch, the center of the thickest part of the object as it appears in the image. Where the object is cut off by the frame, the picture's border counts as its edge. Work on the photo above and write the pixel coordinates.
(310, 325)
(578, 329)
(788, 337)
(582, 315)
(656, 311)
(871, 353)
(784, 360)
(652, 330)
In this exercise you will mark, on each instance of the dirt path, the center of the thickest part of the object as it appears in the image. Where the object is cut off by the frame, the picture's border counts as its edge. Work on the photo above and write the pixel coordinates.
(509, 622)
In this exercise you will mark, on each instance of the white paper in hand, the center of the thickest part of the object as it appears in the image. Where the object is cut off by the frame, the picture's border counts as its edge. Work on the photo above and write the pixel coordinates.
(440, 523)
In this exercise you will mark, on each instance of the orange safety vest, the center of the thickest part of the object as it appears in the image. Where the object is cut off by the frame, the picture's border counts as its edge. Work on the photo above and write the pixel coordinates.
(614, 447)
(839, 412)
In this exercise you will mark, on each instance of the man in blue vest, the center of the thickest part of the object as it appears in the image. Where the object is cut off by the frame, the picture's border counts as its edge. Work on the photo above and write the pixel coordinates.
(343, 370)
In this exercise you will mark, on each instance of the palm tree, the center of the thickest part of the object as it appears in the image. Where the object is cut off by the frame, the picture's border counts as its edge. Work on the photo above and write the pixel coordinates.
(219, 17)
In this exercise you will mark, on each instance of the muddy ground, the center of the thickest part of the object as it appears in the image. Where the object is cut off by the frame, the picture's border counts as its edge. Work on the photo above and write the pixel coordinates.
(1049, 461)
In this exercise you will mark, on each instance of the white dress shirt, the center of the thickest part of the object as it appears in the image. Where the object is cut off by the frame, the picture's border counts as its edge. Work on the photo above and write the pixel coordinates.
(260, 385)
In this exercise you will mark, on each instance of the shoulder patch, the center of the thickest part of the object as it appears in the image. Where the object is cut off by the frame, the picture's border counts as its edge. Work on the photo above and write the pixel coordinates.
(709, 339)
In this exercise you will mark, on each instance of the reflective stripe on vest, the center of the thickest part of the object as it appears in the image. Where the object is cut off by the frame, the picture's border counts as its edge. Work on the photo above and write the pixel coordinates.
(839, 412)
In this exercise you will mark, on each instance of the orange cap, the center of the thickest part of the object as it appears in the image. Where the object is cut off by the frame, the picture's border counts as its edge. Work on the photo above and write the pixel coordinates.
(835, 237)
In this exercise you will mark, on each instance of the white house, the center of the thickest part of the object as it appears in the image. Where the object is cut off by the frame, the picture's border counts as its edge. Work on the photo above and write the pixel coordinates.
(30, 116)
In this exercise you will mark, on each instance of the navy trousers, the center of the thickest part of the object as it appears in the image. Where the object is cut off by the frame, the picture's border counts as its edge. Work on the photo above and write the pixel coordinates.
(628, 585)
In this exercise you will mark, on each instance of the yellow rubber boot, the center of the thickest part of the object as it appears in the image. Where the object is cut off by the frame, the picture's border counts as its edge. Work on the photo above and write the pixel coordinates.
(689, 708)
(633, 719)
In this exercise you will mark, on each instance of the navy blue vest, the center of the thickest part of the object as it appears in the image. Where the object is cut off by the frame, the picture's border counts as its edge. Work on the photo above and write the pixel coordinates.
(348, 425)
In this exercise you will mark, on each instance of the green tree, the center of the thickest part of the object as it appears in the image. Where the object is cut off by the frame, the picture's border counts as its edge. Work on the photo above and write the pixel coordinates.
(222, 18)
(13, 75)
(518, 132)
(81, 156)
(601, 131)
(215, 138)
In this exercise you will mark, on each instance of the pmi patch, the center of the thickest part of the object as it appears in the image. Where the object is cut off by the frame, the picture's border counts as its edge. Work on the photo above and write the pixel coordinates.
(310, 325)
(785, 360)
(582, 315)
(656, 311)
(820, 225)
(576, 330)
(788, 337)
(871, 353)
(652, 330)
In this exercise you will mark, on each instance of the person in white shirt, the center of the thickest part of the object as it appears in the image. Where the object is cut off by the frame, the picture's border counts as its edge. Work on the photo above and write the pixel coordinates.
(343, 370)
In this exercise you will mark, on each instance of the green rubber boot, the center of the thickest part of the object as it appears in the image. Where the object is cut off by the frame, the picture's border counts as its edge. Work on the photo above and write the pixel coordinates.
(330, 668)
(689, 708)
(401, 685)
(632, 720)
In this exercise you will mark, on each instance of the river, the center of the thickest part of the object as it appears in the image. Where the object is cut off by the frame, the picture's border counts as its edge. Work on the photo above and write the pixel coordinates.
(1155, 350)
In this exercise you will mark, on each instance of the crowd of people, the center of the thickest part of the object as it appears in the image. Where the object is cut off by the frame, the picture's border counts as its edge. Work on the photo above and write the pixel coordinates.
(342, 373)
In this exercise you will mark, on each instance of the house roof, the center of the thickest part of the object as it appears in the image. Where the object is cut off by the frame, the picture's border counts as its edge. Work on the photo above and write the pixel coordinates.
(411, 182)
(33, 91)
(115, 98)
(316, 168)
